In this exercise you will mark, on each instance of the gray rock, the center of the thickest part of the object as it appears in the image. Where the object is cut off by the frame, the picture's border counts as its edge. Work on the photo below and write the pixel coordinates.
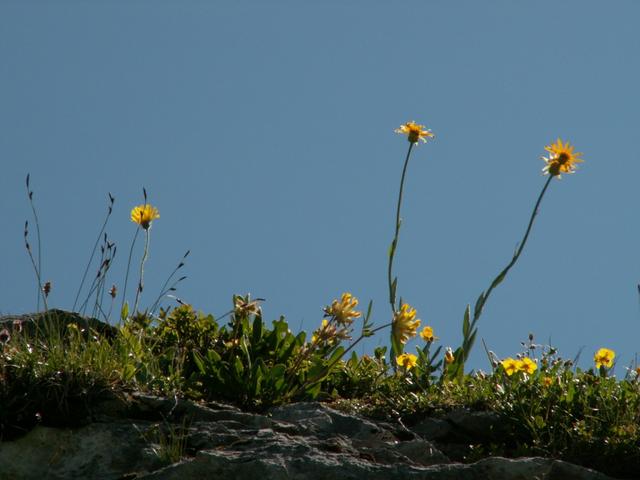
(307, 441)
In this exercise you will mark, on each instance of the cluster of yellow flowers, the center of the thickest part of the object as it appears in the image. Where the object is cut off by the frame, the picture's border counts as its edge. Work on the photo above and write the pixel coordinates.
(343, 311)
(526, 365)
(341, 315)
(405, 323)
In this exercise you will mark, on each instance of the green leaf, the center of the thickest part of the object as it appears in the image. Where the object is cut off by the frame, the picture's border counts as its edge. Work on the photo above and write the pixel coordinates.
(335, 355)
(498, 280)
(124, 313)
(477, 310)
(238, 367)
(199, 361)
(465, 322)
(396, 347)
(313, 390)
(213, 356)
(129, 372)
(256, 377)
(394, 286)
(469, 345)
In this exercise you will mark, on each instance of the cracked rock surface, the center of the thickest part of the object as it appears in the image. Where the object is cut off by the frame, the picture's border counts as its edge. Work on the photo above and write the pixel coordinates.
(125, 440)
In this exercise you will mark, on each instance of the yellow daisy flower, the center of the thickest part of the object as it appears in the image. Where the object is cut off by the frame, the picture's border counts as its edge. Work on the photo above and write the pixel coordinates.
(404, 323)
(143, 215)
(562, 159)
(604, 357)
(427, 334)
(407, 360)
(510, 365)
(343, 311)
(414, 132)
(527, 366)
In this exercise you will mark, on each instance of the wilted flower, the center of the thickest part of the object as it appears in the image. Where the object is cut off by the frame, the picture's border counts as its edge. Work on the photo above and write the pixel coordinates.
(17, 325)
(414, 132)
(604, 357)
(448, 355)
(143, 215)
(46, 289)
(244, 306)
(328, 333)
(5, 336)
(343, 311)
(407, 360)
(113, 291)
(404, 323)
(527, 365)
(561, 159)
(510, 365)
(427, 334)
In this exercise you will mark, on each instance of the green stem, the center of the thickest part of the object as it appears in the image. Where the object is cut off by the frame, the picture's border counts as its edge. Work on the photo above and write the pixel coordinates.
(394, 243)
(467, 343)
(513, 261)
(126, 276)
(144, 259)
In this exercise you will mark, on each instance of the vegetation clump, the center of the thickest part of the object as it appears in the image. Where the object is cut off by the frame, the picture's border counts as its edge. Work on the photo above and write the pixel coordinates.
(55, 365)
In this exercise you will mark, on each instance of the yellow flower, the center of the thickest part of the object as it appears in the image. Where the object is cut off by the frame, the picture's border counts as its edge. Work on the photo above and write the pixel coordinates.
(604, 357)
(527, 366)
(562, 159)
(547, 381)
(415, 132)
(143, 215)
(448, 355)
(510, 365)
(343, 311)
(427, 334)
(404, 323)
(407, 360)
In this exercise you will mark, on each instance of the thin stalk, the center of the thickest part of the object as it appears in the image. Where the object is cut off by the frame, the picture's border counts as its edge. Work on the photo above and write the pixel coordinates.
(39, 267)
(394, 244)
(513, 261)
(144, 259)
(468, 341)
(93, 252)
(35, 268)
(126, 277)
(163, 292)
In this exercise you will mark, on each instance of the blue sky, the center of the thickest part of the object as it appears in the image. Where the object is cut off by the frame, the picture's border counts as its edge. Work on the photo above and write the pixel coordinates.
(263, 132)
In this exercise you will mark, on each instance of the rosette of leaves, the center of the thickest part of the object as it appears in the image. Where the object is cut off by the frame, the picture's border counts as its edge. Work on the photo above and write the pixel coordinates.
(248, 362)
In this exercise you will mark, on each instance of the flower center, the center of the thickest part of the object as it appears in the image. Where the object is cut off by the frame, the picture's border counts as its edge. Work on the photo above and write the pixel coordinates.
(563, 158)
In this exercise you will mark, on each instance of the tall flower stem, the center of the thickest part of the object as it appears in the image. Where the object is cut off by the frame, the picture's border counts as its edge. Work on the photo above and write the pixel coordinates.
(469, 329)
(513, 261)
(393, 282)
(147, 234)
(126, 276)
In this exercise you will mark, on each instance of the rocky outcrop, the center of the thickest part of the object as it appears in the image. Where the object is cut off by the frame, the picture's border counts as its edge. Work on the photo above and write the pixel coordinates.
(136, 438)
